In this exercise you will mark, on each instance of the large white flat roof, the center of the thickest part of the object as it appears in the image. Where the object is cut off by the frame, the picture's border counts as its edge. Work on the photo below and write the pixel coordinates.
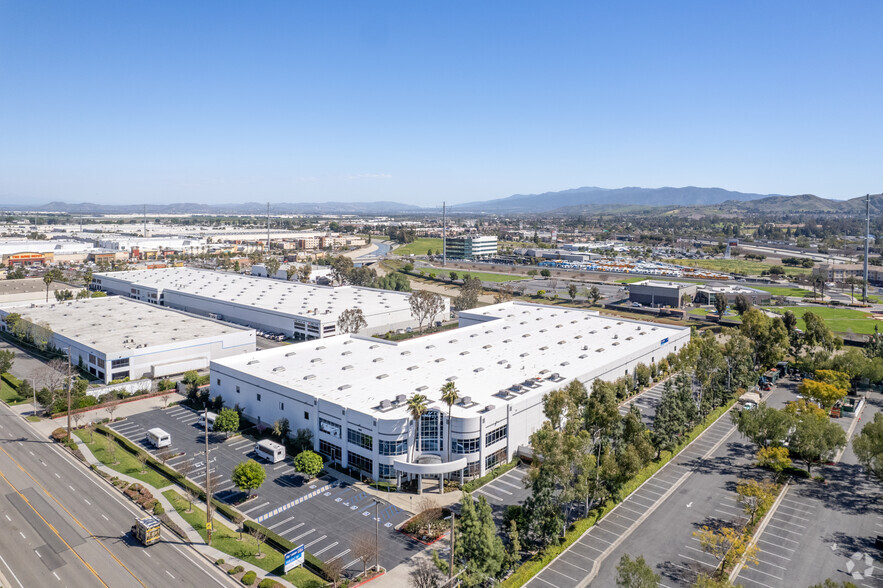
(525, 342)
(112, 324)
(292, 298)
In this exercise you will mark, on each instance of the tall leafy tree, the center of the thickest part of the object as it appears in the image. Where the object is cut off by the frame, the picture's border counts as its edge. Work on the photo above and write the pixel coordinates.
(417, 405)
(249, 475)
(635, 573)
(449, 395)
(815, 439)
(478, 547)
(868, 446)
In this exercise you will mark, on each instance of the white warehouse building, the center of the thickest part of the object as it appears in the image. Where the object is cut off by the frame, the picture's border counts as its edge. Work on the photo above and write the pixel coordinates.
(114, 338)
(351, 391)
(301, 311)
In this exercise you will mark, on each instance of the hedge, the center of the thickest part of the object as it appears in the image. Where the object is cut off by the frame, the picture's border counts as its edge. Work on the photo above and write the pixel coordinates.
(495, 473)
(171, 474)
(311, 562)
(249, 577)
(533, 566)
(11, 380)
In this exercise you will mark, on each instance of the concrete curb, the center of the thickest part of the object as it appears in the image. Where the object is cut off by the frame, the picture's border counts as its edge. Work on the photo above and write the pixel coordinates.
(760, 529)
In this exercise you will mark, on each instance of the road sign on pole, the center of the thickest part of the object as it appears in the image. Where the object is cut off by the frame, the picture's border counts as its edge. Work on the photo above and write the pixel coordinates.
(294, 558)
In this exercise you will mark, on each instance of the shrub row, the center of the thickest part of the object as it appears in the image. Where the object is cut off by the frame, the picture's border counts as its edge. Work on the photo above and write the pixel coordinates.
(495, 473)
(249, 577)
(11, 380)
(311, 562)
(171, 474)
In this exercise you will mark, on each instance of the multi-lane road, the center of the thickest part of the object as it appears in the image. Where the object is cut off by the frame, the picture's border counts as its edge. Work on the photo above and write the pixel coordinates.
(63, 527)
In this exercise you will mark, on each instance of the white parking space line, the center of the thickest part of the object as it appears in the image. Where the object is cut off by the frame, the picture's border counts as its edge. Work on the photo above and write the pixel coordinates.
(282, 522)
(498, 489)
(294, 528)
(303, 534)
(338, 556)
(782, 538)
(324, 549)
(694, 559)
(622, 506)
(787, 523)
(756, 571)
(777, 545)
(767, 552)
(351, 564)
(502, 481)
(314, 541)
(741, 579)
(740, 515)
(482, 491)
(281, 465)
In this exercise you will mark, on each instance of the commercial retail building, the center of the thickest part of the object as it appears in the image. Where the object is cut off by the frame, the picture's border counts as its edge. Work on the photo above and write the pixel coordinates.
(352, 391)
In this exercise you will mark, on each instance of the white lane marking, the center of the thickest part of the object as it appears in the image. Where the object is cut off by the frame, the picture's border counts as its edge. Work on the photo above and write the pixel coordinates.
(218, 582)
(104, 517)
(170, 574)
(22, 535)
(87, 502)
(38, 553)
(31, 452)
(56, 475)
(7, 518)
(71, 487)
(56, 576)
(11, 572)
(281, 465)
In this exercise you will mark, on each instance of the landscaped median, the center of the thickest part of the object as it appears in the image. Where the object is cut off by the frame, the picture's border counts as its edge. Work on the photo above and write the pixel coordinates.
(473, 485)
(533, 566)
(160, 475)
(247, 548)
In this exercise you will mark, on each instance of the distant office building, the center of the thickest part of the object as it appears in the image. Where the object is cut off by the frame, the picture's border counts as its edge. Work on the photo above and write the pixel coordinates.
(657, 293)
(708, 294)
(840, 272)
(471, 247)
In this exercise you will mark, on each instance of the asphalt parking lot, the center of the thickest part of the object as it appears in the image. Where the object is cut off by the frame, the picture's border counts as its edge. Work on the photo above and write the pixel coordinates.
(646, 401)
(324, 514)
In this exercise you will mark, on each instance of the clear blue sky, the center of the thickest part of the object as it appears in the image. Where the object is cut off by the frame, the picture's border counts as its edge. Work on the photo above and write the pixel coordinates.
(419, 102)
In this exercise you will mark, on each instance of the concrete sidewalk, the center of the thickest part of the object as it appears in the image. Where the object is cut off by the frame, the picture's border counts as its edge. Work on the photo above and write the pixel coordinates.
(208, 552)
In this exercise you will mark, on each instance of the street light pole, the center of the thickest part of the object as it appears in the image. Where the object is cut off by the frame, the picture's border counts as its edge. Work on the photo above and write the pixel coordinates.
(451, 564)
(208, 488)
(68, 393)
(376, 537)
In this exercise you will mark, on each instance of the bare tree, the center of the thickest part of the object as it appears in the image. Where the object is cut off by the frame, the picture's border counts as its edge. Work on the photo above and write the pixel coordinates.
(164, 455)
(111, 449)
(364, 547)
(142, 459)
(111, 406)
(78, 417)
(259, 536)
(351, 320)
(425, 306)
(505, 292)
(54, 375)
(334, 569)
(425, 575)
(91, 428)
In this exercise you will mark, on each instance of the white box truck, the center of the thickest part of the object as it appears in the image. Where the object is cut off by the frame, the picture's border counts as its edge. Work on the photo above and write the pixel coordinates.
(211, 420)
(269, 450)
(159, 438)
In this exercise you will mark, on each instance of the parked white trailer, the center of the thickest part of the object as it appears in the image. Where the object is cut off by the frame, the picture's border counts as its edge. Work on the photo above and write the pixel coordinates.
(159, 438)
(269, 450)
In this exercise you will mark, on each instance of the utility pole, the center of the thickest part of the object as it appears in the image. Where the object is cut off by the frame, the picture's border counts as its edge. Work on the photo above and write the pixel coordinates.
(268, 228)
(208, 488)
(376, 536)
(451, 564)
(444, 234)
(867, 245)
(35, 396)
(68, 393)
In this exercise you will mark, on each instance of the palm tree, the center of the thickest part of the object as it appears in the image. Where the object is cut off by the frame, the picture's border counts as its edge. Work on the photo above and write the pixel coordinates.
(49, 277)
(417, 406)
(450, 395)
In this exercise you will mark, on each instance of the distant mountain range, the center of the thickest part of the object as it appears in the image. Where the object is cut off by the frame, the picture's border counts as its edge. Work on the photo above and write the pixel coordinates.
(591, 199)
(587, 200)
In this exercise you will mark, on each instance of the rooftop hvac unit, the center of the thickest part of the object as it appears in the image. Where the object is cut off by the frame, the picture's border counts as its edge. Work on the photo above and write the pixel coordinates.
(489, 408)
(401, 398)
(385, 404)
(465, 400)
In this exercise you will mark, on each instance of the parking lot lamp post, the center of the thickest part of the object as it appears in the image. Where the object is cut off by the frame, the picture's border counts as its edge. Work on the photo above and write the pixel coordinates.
(34, 390)
(376, 536)
(68, 393)
(208, 489)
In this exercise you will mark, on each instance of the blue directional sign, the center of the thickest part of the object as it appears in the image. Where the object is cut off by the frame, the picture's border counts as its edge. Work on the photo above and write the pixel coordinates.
(294, 558)
(664, 341)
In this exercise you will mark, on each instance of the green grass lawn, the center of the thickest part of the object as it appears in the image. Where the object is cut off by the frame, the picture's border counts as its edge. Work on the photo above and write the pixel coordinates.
(227, 540)
(782, 290)
(839, 320)
(126, 462)
(698, 312)
(419, 246)
(739, 266)
(461, 274)
(10, 395)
